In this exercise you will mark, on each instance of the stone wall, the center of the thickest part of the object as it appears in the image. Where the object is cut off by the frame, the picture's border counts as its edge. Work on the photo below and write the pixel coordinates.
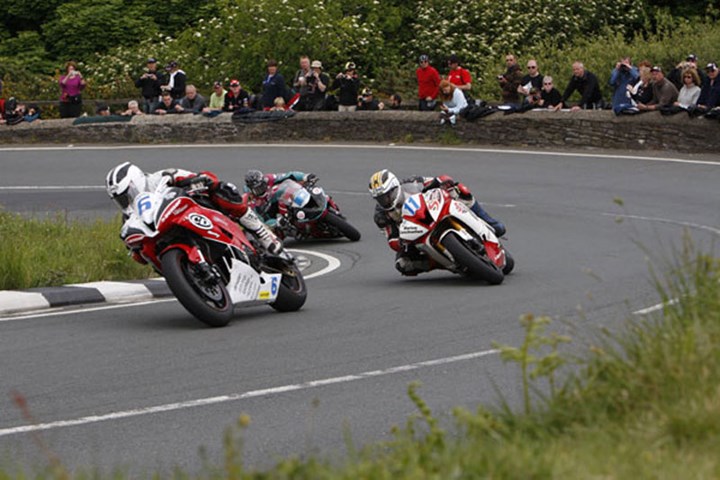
(540, 129)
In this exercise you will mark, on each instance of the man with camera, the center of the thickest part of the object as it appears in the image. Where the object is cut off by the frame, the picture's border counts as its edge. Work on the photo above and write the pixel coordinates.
(317, 83)
(510, 80)
(623, 74)
(348, 84)
(149, 84)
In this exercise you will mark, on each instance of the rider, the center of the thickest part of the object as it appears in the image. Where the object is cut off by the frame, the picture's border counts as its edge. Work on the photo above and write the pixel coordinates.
(127, 181)
(264, 198)
(390, 194)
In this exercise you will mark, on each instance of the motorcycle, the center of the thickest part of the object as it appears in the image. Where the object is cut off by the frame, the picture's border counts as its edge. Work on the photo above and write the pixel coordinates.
(454, 237)
(208, 261)
(308, 212)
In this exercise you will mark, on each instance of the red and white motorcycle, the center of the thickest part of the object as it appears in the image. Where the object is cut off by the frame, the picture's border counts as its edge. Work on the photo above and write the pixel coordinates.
(209, 262)
(452, 235)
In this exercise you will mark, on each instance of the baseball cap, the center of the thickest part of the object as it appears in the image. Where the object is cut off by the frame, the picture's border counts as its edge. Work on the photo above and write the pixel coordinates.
(316, 64)
(424, 58)
(366, 92)
(691, 58)
(453, 59)
(234, 83)
(711, 66)
(151, 60)
(656, 68)
(349, 66)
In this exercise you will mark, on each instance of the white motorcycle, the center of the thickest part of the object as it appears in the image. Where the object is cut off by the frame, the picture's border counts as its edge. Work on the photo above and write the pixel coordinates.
(452, 235)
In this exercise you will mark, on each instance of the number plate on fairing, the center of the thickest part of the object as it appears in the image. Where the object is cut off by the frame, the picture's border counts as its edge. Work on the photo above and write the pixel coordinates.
(247, 286)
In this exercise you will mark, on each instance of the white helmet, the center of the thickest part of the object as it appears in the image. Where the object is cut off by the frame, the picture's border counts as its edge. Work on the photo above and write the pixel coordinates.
(385, 189)
(125, 182)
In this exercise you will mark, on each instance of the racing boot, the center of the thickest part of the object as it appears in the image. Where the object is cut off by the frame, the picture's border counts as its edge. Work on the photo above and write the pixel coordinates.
(267, 238)
(496, 225)
(465, 196)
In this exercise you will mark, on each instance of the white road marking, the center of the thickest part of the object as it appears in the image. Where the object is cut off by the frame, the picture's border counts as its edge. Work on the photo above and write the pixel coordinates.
(333, 264)
(655, 308)
(368, 147)
(667, 220)
(233, 397)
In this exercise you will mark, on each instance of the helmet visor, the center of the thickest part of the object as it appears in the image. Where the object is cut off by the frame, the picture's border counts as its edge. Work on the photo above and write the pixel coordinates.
(259, 189)
(387, 199)
(121, 200)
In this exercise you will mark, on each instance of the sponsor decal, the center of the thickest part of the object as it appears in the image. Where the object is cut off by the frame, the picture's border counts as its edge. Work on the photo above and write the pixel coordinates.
(200, 221)
(264, 296)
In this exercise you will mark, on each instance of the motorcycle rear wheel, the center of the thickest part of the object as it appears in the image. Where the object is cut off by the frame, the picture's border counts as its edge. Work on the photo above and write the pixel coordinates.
(343, 226)
(291, 291)
(475, 266)
(209, 304)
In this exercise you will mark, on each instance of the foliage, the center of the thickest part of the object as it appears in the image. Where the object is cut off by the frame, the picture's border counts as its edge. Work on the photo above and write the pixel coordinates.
(85, 26)
(56, 251)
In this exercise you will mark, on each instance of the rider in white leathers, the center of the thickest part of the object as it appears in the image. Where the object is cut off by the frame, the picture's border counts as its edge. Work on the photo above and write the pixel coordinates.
(126, 181)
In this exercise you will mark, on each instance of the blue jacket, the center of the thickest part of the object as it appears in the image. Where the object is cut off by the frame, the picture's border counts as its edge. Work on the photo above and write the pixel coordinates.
(619, 80)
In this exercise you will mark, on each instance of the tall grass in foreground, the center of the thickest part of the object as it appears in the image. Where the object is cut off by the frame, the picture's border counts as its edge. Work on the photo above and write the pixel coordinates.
(40, 252)
(642, 403)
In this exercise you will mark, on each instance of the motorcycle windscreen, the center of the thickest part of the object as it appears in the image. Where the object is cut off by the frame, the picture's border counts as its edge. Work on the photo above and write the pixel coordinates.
(247, 286)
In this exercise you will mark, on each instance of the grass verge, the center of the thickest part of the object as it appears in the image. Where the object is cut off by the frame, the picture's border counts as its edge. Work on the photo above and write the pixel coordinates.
(40, 252)
(640, 403)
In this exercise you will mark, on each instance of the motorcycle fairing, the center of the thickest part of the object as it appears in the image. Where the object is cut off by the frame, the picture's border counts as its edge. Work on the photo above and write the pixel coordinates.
(249, 288)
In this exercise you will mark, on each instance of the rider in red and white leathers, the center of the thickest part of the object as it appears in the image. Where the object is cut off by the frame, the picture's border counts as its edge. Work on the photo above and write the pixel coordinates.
(390, 194)
(124, 182)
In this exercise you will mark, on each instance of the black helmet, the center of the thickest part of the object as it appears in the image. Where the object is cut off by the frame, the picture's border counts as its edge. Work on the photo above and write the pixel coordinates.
(256, 182)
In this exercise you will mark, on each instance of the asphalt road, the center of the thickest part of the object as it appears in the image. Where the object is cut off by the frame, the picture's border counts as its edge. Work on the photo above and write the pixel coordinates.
(146, 387)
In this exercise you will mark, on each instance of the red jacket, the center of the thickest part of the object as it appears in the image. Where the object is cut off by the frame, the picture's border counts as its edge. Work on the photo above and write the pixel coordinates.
(428, 82)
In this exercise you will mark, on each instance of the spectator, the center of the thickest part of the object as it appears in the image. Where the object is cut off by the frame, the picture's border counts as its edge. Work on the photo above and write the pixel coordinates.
(459, 76)
(641, 91)
(317, 83)
(369, 102)
(217, 99)
(71, 86)
(453, 100)
(299, 84)
(348, 84)
(133, 109)
(395, 101)
(510, 80)
(167, 105)
(102, 110)
(273, 86)
(428, 80)
(690, 91)
(586, 84)
(532, 81)
(549, 95)
(278, 105)
(176, 80)
(149, 84)
(710, 91)
(624, 75)
(676, 74)
(192, 102)
(237, 98)
(664, 92)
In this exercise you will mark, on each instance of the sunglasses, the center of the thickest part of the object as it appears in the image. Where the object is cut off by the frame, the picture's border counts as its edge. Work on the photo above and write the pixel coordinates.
(547, 83)
(532, 67)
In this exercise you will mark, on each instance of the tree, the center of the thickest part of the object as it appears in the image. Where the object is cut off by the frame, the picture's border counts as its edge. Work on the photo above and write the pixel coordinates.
(84, 27)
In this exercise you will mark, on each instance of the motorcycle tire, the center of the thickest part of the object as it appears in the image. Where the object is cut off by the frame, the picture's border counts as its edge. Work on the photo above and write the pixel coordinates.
(343, 226)
(509, 263)
(213, 306)
(291, 291)
(475, 266)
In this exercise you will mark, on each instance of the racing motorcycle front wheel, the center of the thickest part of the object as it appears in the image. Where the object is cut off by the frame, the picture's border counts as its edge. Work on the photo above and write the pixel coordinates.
(201, 294)
(474, 264)
(342, 226)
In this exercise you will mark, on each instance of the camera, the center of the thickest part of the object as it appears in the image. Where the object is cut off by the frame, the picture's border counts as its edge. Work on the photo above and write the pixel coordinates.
(500, 77)
(624, 67)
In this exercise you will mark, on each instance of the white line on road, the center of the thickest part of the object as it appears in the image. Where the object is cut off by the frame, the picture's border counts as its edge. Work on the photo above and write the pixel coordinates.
(367, 147)
(169, 407)
(666, 220)
(333, 263)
